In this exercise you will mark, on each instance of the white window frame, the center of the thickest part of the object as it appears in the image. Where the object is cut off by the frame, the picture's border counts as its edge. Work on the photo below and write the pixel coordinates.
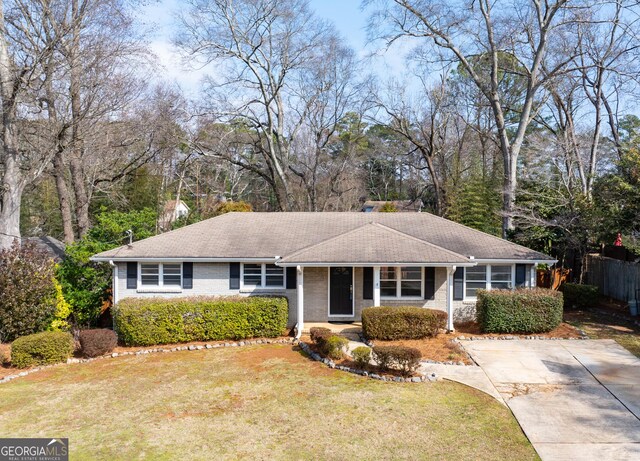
(160, 284)
(263, 278)
(488, 280)
(399, 285)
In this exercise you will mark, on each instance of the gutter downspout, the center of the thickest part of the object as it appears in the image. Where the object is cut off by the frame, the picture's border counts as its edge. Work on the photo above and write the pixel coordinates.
(300, 300)
(114, 283)
(450, 272)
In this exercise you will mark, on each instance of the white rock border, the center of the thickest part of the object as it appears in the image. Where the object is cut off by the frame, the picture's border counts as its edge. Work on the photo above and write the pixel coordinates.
(193, 347)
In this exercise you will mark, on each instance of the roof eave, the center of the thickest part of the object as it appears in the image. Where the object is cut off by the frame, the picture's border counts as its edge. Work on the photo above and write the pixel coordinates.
(373, 264)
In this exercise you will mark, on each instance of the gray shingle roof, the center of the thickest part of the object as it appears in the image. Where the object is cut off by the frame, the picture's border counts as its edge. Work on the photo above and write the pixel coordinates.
(374, 243)
(266, 235)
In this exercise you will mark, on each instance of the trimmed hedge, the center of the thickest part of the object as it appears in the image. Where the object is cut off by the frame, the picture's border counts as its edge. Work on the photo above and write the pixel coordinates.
(579, 296)
(405, 359)
(41, 349)
(96, 342)
(519, 311)
(146, 322)
(392, 323)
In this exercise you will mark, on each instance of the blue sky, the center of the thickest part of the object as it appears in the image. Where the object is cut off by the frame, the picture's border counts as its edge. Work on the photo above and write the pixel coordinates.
(346, 15)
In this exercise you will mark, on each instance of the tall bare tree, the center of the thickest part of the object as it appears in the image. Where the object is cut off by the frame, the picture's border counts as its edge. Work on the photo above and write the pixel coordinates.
(260, 49)
(495, 33)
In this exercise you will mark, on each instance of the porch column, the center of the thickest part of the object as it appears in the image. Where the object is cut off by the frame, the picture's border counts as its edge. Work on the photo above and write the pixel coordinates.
(450, 271)
(300, 301)
(533, 276)
(376, 286)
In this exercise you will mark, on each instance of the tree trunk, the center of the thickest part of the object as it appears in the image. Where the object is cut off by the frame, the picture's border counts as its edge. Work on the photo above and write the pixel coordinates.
(13, 182)
(11, 198)
(75, 164)
(63, 196)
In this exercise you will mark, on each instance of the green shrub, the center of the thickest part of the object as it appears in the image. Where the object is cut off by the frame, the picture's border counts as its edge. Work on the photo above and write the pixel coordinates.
(27, 291)
(319, 334)
(579, 296)
(145, 322)
(404, 359)
(41, 349)
(393, 323)
(333, 346)
(96, 342)
(519, 311)
(361, 355)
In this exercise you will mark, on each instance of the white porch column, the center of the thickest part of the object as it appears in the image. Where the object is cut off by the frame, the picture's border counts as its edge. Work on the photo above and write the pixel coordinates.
(376, 286)
(533, 276)
(450, 271)
(300, 301)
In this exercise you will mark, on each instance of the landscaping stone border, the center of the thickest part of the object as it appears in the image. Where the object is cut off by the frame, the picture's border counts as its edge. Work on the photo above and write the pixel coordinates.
(583, 335)
(331, 364)
(199, 347)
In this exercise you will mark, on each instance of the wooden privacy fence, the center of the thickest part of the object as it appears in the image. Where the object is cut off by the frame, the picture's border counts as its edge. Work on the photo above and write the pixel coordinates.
(616, 279)
(552, 278)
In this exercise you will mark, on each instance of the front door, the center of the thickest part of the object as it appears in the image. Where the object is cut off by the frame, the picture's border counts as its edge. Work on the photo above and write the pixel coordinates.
(341, 291)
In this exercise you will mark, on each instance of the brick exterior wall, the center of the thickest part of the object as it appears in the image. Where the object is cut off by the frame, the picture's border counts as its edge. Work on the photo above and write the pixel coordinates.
(212, 279)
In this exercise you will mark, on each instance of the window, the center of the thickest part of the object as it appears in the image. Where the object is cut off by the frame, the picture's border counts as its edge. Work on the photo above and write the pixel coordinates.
(262, 276)
(171, 274)
(150, 274)
(161, 275)
(401, 282)
(487, 278)
(476, 280)
(388, 282)
(501, 277)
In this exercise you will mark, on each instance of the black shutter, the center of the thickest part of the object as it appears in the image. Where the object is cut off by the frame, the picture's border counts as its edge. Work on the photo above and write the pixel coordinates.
(234, 276)
(367, 283)
(458, 284)
(521, 275)
(292, 278)
(187, 275)
(132, 275)
(429, 283)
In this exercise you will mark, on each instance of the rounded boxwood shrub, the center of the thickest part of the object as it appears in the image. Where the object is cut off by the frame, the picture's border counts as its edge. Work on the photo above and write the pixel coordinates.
(404, 359)
(520, 311)
(392, 323)
(578, 296)
(150, 321)
(361, 355)
(41, 349)
(334, 345)
(96, 342)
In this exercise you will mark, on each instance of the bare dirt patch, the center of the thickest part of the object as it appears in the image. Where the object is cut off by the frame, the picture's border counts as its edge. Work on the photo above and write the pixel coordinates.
(564, 330)
(442, 348)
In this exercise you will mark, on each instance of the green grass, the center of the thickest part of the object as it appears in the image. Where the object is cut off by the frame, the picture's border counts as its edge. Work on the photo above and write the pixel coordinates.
(605, 327)
(258, 402)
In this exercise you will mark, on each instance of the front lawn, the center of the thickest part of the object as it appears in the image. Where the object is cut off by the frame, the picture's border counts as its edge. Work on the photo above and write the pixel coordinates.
(257, 402)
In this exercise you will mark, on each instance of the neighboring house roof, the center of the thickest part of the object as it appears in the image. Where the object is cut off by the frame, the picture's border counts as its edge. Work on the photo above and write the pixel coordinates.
(171, 205)
(50, 245)
(267, 235)
(402, 206)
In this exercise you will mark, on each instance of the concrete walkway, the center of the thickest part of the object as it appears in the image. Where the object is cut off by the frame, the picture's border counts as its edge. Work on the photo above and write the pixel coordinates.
(471, 376)
(575, 400)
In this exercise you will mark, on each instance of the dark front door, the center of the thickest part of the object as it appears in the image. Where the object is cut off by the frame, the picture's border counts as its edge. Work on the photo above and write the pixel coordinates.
(341, 291)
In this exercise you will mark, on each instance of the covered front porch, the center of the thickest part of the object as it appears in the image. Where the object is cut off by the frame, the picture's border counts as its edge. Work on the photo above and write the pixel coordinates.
(333, 296)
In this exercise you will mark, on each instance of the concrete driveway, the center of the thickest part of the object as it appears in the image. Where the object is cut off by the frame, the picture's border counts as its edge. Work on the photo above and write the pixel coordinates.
(575, 400)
